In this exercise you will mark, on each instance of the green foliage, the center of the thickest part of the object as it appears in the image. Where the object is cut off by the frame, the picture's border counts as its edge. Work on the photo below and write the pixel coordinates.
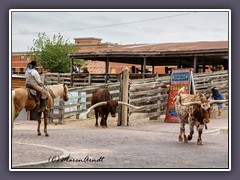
(52, 54)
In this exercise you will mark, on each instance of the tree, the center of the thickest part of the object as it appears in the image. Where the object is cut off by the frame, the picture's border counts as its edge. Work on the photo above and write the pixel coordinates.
(52, 54)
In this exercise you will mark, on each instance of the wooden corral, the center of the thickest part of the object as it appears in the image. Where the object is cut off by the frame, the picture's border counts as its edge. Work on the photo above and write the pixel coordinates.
(149, 92)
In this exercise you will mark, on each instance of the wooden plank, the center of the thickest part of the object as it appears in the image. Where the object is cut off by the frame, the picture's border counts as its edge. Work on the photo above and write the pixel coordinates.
(72, 113)
(146, 99)
(146, 93)
(55, 116)
(72, 105)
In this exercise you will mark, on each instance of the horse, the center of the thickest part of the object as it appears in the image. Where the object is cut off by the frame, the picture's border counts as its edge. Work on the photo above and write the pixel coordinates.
(21, 98)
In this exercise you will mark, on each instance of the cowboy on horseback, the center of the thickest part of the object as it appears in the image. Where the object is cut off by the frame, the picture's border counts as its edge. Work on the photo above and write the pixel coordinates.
(33, 81)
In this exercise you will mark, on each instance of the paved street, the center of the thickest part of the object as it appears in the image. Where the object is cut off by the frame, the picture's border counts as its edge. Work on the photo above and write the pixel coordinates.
(147, 144)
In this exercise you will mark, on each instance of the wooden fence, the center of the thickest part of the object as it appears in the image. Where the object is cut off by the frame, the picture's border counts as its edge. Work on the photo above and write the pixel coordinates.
(205, 81)
(86, 79)
(149, 92)
(79, 101)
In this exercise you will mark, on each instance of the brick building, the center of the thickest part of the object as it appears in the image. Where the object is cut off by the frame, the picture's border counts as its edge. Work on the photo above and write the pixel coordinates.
(20, 61)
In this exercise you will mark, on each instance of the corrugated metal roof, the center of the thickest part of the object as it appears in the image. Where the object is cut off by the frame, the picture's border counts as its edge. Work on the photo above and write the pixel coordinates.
(164, 47)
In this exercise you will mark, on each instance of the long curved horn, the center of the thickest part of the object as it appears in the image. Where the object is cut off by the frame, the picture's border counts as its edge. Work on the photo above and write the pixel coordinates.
(129, 105)
(96, 105)
(191, 103)
(218, 101)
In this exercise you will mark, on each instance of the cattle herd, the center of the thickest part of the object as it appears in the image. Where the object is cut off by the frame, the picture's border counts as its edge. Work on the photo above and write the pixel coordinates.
(192, 109)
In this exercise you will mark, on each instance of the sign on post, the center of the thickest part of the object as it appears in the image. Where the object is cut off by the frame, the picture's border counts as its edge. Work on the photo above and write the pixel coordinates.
(179, 78)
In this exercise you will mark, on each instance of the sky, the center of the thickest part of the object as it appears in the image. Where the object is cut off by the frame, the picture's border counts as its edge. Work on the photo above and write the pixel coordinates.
(116, 26)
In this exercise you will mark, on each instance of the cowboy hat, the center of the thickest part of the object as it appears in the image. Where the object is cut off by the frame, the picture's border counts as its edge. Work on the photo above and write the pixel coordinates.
(34, 63)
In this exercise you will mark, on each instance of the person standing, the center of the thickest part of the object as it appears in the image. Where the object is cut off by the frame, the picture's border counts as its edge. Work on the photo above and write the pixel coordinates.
(33, 81)
(218, 96)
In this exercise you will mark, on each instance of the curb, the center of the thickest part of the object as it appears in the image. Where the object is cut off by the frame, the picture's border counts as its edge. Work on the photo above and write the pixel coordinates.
(65, 154)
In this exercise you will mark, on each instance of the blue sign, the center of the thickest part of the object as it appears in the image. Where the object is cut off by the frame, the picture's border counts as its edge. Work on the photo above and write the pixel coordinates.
(180, 76)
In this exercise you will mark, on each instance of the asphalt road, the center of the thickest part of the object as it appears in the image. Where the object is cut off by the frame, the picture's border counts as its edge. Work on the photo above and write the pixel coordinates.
(151, 144)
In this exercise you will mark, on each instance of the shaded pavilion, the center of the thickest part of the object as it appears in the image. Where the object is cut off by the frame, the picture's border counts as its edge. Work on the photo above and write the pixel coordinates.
(196, 55)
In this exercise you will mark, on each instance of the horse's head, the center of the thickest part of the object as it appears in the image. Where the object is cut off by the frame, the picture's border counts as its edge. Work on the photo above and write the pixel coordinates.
(65, 92)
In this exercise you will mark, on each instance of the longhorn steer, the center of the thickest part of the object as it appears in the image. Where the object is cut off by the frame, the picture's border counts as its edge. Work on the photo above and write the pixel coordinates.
(103, 104)
(195, 110)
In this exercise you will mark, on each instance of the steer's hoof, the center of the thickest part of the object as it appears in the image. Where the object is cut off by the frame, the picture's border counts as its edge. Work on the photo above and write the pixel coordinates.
(39, 134)
(180, 138)
(185, 139)
(46, 134)
(96, 125)
(199, 142)
(189, 138)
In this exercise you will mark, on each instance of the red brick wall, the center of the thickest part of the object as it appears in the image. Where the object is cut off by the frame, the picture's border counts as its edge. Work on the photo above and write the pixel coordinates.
(18, 62)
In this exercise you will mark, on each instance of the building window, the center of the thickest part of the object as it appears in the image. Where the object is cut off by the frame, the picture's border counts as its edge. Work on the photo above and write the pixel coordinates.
(13, 70)
(22, 58)
(21, 71)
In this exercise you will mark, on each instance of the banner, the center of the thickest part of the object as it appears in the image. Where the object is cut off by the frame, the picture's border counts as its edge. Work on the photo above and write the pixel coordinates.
(179, 78)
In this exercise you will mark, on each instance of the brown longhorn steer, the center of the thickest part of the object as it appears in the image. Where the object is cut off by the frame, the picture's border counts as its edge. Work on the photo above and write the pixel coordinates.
(103, 104)
(195, 110)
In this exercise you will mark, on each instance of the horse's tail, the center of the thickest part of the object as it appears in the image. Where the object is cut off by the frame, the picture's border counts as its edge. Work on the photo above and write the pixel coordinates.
(13, 108)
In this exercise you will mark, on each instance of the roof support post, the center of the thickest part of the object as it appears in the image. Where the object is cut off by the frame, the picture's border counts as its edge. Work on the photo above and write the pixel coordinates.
(144, 67)
(106, 70)
(204, 64)
(195, 64)
(107, 66)
(153, 69)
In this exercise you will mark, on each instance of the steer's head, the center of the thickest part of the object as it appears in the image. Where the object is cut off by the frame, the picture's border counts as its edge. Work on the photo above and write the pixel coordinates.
(205, 108)
(112, 107)
(204, 105)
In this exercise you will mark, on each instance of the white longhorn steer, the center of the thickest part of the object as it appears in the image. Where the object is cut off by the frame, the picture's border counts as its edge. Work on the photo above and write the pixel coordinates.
(195, 110)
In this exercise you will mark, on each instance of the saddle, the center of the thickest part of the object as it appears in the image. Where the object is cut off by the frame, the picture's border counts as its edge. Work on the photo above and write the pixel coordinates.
(33, 94)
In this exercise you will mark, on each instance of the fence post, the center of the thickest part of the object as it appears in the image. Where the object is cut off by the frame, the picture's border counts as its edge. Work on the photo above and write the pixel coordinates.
(71, 80)
(78, 107)
(61, 111)
(125, 88)
(43, 78)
